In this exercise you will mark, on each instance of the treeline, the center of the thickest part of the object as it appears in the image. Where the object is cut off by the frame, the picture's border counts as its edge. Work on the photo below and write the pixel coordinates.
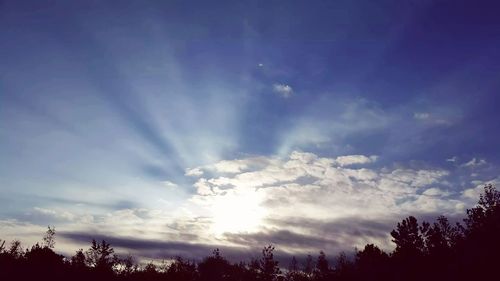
(426, 251)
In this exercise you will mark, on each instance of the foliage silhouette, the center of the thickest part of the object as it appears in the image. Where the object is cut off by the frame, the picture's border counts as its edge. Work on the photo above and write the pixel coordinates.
(268, 266)
(426, 251)
(49, 238)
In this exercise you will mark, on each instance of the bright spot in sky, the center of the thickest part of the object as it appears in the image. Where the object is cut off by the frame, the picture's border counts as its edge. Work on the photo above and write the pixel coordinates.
(239, 211)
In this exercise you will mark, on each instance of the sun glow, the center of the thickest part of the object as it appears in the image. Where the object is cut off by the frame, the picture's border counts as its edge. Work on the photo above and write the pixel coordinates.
(238, 211)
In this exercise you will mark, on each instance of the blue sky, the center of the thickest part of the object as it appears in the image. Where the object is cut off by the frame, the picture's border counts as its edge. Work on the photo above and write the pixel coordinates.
(180, 116)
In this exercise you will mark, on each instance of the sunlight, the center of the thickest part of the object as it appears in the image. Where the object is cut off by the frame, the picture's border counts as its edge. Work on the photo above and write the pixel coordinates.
(237, 211)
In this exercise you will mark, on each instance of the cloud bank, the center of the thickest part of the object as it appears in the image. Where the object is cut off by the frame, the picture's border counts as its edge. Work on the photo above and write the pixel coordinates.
(302, 203)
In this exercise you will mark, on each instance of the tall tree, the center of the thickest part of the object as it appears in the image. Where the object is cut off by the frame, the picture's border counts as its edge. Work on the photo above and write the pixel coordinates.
(440, 237)
(322, 270)
(214, 267)
(372, 263)
(182, 270)
(268, 266)
(49, 240)
(78, 261)
(100, 256)
(408, 238)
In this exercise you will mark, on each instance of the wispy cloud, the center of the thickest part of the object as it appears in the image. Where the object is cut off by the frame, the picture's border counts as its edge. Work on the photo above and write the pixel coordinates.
(441, 118)
(421, 115)
(452, 159)
(474, 163)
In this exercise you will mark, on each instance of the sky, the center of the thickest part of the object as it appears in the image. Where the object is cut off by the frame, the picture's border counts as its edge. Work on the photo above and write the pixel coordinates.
(174, 127)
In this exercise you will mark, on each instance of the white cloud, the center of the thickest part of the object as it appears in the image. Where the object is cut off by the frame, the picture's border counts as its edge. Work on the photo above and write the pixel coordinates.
(435, 192)
(452, 159)
(312, 187)
(203, 187)
(416, 178)
(355, 159)
(169, 184)
(473, 193)
(60, 215)
(442, 118)
(231, 167)
(283, 90)
(474, 163)
(27, 232)
(194, 172)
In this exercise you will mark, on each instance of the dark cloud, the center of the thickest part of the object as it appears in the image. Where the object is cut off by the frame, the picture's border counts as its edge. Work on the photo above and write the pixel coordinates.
(156, 249)
(283, 238)
(350, 226)
(160, 249)
(113, 205)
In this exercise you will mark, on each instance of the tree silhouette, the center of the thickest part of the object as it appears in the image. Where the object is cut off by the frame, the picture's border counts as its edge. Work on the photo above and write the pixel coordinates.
(49, 238)
(440, 237)
(372, 263)
(78, 261)
(408, 238)
(294, 273)
(182, 270)
(42, 260)
(322, 270)
(481, 246)
(15, 249)
(408, 257)
(127, 266)
(100, 257)
(309, 265)
(2, 245)
(485, 216)
(215, 267)
(268, 266)
(343, 267)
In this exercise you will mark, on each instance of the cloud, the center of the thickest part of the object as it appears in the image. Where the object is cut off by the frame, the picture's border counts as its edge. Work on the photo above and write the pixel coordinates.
(55, 216)
(60, 215)
(452, 159)
(232, 167)
(302, 202)
(351, 231)
(194, 172)
(160, 249)
(283, 90)
(474, 163)
(440, 117)
(329, 123)
(283, 239)
(416, 178)
(472, 194)
(435, 192)
(421, 115)
(355, 159)
(303, 187)
(169, 184)
(203, 187)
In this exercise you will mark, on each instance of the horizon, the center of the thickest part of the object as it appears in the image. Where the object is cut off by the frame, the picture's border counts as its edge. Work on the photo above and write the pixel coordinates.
(189, 126)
